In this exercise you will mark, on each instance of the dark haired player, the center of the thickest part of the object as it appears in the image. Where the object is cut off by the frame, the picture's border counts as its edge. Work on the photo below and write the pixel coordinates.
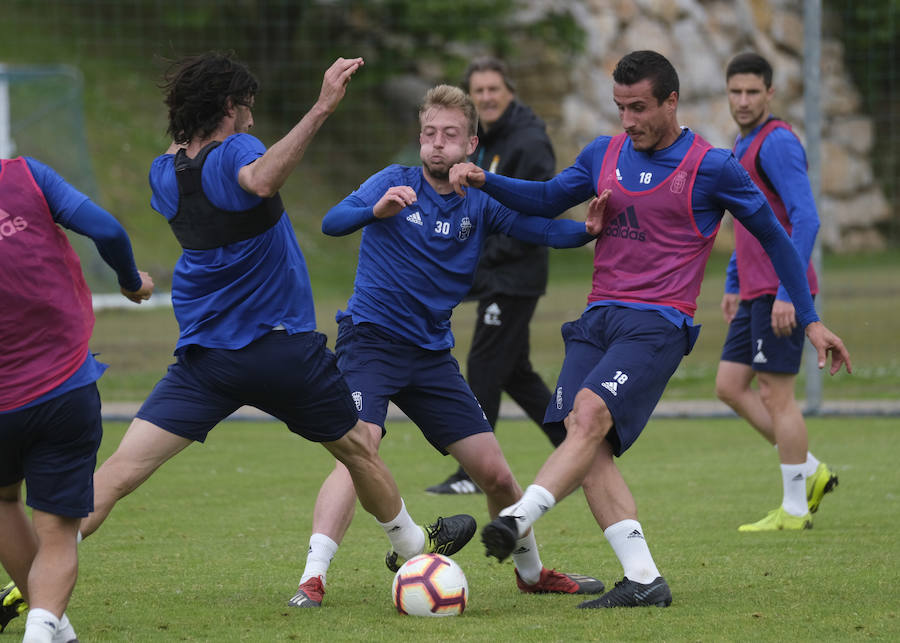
(764, 340)
(242, 298)
(668, 191)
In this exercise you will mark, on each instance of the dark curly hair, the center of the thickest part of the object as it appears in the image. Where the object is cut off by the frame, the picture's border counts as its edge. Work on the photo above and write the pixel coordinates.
(198, 89)
(650, 65)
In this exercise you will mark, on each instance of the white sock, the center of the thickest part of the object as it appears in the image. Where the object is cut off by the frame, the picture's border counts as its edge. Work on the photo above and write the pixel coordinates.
(627, 540)
(811, 464)
(321, 550)
(66, 632)
(407, 538)
(79, 537)
(534, 503)
(794, 501)
(527, 559)
(40, 626)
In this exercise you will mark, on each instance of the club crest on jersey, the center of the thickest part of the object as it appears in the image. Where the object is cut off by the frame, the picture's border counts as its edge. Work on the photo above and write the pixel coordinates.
(465, 229)
(678, 182)
(357, 400)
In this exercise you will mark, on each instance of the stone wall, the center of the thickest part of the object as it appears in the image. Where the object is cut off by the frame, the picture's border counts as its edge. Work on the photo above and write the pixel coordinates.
(699, 37)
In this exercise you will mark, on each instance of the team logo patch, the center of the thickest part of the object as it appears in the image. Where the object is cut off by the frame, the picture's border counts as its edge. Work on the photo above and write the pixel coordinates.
(357, 400)
(559, 398)
(492, 315)
(465, 229)
(678, 182)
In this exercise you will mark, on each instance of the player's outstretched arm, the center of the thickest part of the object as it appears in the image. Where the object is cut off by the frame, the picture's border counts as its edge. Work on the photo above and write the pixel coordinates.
(464, 175)
(142, 293)
(826, 342)
(265, 176)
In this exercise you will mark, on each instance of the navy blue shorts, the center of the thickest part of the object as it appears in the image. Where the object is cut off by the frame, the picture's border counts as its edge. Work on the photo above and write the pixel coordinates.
(751, 341)
(426, 385)
(291, 377)
(625, 356)
(53, 446)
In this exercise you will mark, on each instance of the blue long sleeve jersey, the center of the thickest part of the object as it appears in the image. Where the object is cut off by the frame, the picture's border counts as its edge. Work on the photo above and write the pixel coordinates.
(783, 159)
(721, 184)
(416, 266)
(73, 210)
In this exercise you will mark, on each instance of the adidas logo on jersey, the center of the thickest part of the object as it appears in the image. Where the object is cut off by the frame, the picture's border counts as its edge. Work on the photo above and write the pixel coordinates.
(415, 217)
(10, 225)
(612, 387)
(625, 226)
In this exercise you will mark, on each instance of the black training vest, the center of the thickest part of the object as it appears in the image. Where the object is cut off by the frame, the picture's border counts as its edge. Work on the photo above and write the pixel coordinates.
(199, 225)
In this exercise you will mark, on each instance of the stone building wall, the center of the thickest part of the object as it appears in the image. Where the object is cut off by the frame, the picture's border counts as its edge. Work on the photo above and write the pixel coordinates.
(699, 37)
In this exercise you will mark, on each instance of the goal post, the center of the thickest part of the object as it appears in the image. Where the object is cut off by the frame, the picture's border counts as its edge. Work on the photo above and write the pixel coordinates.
(42, 116)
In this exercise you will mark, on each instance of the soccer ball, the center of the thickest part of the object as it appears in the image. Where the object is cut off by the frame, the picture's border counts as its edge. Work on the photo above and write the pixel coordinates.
(430, 585)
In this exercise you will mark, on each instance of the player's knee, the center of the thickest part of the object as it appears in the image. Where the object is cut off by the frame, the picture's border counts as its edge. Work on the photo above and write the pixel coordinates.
(776, 397)
(497, 481)
(590, 419)
(725, 390)
(359, 444)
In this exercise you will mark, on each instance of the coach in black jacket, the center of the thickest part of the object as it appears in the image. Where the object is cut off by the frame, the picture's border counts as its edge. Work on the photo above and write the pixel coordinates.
(512, 274)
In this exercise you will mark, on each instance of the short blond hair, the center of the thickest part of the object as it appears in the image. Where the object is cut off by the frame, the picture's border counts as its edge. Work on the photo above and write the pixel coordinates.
(450, 97)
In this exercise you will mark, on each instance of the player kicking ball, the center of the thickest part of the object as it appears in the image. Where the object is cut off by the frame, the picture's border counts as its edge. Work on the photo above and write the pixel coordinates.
(418, 254)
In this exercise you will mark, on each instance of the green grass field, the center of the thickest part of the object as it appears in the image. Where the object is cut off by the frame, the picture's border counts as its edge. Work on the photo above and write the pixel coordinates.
(212, 546)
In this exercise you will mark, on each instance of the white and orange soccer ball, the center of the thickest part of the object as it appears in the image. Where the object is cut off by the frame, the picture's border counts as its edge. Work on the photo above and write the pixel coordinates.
(430, 585)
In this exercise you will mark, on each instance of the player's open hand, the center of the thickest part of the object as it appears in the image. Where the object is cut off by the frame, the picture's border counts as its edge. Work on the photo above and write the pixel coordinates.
(593, 222)
(784, 319)
(464, 175)
(394, 200)
(334, 84)
(826, 342)
(729, 306)
(143, 292)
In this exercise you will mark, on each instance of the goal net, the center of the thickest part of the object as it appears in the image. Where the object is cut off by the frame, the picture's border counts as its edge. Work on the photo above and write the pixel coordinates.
(42, 116)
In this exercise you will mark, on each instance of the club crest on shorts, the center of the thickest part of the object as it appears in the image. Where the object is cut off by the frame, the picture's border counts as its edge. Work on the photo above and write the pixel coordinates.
(465, 229)
(559, 397)
(357, 399)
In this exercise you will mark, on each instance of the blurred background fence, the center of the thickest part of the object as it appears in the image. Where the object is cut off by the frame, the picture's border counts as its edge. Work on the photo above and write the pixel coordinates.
(82, 78)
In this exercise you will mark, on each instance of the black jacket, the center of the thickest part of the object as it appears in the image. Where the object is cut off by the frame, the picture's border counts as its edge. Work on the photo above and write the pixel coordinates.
(516, 146)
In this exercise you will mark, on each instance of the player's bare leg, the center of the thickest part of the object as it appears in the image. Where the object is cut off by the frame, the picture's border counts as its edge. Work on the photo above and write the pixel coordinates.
(481, 457)
(143, 449)
(733, 386)
(18, 541)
